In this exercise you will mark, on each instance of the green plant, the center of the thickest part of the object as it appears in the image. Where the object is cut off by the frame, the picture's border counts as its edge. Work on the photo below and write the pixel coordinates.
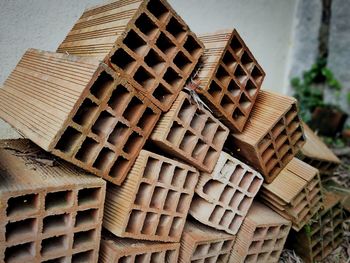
(309, 90)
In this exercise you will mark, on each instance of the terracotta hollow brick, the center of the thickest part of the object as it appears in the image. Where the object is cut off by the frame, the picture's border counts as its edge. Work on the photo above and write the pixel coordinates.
(190, 133)
(120, 250)
(223, 197)
(272, 137)
(50, 211)
(153, 201)
(79, 110)
(230, 78)
(200, 243)
(261, 237)
(322, 234)
(147, 42)
(316, 153)
(296, 193)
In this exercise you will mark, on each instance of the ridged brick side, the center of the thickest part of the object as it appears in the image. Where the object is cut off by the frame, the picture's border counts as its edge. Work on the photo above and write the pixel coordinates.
(51, 210)
(230, 78)
(190, 133)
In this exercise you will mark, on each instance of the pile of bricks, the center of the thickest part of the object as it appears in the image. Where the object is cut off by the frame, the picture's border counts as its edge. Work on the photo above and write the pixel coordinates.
(187, 145)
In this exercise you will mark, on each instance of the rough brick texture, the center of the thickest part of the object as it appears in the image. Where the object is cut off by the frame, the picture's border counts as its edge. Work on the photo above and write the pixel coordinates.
(200, 243)
(272, 137)
(296, 193)
(121, 250)
(190, 133)
(223, 197)
(230, 78)
(79, 110)
(261, 237)
(49, 211)
(144, 41)
(153, 201)
(323, 233)
(316, 153)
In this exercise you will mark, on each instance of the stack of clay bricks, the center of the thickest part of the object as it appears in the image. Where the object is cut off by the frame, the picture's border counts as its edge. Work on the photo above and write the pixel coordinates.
(181, 134)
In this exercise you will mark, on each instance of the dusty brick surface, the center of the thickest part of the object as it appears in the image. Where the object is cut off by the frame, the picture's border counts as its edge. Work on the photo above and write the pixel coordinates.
(48, 212)
(120, 250)
(224, 197)
(316, 153)
(79, 110)
(190, 133)
(153, 201)
(261, 237)
(323, 233)
(144, 41)
(296, 193)
(200, 243)
(230, 78)
(272, 137)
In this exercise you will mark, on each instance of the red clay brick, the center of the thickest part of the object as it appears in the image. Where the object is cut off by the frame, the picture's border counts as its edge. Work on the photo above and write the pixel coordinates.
(79, 110)
(153, 201)
(296, 193)
(230, 78)
(200, 243)
(49, 211)
(223, 197)
(261, 237)
(145, 41)
(120, 250)
(190, 133)
(272, 136)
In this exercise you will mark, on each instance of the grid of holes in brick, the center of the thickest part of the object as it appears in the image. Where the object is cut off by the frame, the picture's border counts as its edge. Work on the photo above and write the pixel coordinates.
(237, 81)
(326, 232)
(158, 53)
(197, 135)
(232, 197)
(151, 257)
(162, 201)
(212, 252)
(62, 225)
(281, 143)
(320, 164)
(267, 243)
(109, 129)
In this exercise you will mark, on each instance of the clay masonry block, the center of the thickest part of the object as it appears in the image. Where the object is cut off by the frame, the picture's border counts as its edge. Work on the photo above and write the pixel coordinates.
(323, 233)
(230, 78)
(147, 42)
(296, 193)
(224, 197)
(49, 210)
(120, 250)
(200, 243)
(316, 153)
(261, 237)
(272, 137)
(190, 133)
(79, 110)
(153, 202)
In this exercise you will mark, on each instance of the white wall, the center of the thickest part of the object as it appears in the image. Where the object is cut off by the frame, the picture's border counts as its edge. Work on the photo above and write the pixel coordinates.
(265, 25)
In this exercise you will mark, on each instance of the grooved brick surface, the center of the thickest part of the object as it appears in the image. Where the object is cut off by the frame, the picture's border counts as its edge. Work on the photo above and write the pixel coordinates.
(153, 201)
(200, 243)
(223, 197)
(316, 153)
(261, 237)
(322, 234)
(190, 133)
(144, 41)
(272, 136)
(49, 211)
(120, 250)
(230, 78)
(296, 193)
(79, 110)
